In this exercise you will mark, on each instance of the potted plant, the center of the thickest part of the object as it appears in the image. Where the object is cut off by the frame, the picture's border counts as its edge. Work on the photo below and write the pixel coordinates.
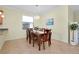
(73, 27)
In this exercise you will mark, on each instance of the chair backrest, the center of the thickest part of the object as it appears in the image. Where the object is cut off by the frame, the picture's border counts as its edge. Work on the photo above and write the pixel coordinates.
(47, 35)
(29, 32)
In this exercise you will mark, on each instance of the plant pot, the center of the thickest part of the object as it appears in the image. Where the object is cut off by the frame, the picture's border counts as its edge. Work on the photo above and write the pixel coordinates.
(73, 43)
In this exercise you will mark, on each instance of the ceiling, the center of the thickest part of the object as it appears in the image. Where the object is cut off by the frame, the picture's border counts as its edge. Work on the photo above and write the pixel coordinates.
(34, 9)
(38, 9)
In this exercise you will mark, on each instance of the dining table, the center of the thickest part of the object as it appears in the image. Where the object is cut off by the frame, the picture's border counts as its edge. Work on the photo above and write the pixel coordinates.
(39, 36)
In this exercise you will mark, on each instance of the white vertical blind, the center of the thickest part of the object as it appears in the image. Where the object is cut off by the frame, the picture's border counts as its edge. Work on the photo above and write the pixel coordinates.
(27, 22)
(27, 19)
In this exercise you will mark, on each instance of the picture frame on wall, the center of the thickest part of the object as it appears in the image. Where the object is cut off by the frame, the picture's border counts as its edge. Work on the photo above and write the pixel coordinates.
(50, 22)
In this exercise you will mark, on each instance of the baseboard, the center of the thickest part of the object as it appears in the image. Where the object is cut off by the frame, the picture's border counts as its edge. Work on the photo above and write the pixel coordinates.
(17, 39)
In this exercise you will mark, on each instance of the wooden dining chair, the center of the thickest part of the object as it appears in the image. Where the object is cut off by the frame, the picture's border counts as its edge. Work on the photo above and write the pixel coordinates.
(37, 39)
(46, 37)
(42, 38)
(33, 38)
(28, 33)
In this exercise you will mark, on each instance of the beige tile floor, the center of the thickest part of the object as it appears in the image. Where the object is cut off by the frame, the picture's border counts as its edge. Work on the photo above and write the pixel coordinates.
(21, 46)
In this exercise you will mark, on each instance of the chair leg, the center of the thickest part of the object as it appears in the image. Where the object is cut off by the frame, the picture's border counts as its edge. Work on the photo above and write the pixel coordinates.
(49, 43)
(33, 42)
(26, 36)
(39, 45)
(29, 40)
(43, 45)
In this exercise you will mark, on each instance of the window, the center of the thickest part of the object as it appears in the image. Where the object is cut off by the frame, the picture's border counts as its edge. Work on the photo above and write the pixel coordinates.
(27, 22)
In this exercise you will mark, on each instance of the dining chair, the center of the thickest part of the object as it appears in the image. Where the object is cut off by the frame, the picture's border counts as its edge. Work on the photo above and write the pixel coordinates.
(29, 34)
(36, 37)
(41, 38)
(46, 37)
(33, 38)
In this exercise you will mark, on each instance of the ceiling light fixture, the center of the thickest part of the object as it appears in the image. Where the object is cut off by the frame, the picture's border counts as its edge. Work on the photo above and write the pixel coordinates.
(37, 16)
(37, 5)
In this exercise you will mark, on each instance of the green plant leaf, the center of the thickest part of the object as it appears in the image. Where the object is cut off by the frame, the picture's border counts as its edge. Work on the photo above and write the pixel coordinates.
(73, 26)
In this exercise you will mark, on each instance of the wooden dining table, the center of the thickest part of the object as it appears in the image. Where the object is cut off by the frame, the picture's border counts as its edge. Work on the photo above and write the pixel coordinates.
(40, 36)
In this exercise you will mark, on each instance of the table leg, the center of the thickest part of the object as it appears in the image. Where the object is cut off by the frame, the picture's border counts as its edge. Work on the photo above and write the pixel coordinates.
(49, 42)
(26, 36)
(29, 40)
(39, 43)
(33, 41)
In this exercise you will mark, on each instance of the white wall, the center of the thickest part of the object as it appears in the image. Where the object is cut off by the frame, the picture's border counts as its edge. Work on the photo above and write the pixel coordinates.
(12, 21)
(70, 14)
(76, 16)
(60, 28)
